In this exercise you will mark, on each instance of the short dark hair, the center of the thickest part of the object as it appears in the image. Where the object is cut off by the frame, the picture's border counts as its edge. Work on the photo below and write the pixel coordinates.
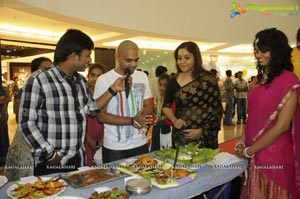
(96, 65)
(160, 70)
(228, 73)
(164, 76)
(35, 63)
(72, 41)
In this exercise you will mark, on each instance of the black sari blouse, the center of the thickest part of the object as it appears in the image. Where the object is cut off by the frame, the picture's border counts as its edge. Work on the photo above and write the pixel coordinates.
(199, 104)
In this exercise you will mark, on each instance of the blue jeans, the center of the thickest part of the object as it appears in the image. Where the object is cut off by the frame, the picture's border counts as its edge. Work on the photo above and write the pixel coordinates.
(242, 109)
(228, 110)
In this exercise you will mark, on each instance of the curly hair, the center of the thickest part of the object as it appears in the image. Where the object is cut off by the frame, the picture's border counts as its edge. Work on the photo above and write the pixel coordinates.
(276, 42)
(298, 39)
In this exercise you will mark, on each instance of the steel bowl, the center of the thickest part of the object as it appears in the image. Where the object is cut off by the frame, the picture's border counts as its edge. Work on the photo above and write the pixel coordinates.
(138, 186)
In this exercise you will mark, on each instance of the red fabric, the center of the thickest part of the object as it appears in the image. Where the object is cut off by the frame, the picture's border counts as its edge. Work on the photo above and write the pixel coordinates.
(96, 131)
(168, 122)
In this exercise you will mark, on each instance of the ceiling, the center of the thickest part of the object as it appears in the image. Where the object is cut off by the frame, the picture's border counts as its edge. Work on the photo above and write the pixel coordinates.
(158, 26)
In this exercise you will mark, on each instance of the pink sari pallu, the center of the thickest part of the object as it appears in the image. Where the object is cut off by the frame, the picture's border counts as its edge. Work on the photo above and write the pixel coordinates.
(279, 161)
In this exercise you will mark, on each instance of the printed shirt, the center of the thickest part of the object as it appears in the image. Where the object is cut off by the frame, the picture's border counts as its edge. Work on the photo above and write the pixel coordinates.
(53, 115)
(241, 84)
(123, 137)
(228, 85)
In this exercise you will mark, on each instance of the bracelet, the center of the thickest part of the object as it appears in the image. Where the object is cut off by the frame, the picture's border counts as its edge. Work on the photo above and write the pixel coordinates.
(246, 154)
(52, 156)
(240, 142)
(136, 123)
(112, 92)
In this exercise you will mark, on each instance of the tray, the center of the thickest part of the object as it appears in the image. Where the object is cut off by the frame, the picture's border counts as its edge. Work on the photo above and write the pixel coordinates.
(11, 190)
(82, 179)
(125, 167)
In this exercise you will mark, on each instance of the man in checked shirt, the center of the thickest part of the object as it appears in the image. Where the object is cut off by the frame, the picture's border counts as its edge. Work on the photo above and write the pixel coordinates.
(55, 104)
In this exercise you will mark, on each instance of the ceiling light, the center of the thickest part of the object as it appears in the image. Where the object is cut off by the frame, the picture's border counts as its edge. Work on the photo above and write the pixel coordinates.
(161, 44)
(243, 48)
(106, 35)
(29, 32)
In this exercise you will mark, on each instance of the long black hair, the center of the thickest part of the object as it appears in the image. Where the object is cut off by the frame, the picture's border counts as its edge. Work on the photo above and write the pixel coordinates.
(298, 38)
(276, 42)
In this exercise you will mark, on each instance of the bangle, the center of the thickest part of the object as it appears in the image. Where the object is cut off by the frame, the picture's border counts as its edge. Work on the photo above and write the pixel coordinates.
(246, 154)
(239, 143)
(112, 92)
(52, 156)
(136, 123)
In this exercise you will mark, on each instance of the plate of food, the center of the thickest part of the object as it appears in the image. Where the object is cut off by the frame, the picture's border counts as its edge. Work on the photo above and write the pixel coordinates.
(81, 179)
(3, 181)
(111, 193)
(159, 174)
(40, 187)
(189, 156)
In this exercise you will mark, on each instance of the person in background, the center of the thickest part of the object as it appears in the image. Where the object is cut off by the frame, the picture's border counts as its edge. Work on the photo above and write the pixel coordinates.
(55, 103)
(40, 63)
(159, 70)
(229, 96)
(15, 86)
(19, 152)
(242, 88)
(160, 126)
(296, 55)
(272, 134)
(4, 139)
(197, 97)
(252, 82)
(234, 95)
(146, 72)
(125, 118)
(94, 135)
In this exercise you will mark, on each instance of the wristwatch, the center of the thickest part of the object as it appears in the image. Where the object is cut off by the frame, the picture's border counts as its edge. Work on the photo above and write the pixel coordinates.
(112, 91)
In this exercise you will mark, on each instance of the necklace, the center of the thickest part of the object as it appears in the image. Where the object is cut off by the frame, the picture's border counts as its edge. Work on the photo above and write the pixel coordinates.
(265, 76)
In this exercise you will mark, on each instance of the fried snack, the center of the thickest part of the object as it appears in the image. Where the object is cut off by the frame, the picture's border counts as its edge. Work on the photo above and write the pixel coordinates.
(90, 177)
(177, 173)
(38, 189)
(146, 160)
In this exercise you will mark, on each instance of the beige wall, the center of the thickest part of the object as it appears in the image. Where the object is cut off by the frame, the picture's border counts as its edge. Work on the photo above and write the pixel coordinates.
(203, 20)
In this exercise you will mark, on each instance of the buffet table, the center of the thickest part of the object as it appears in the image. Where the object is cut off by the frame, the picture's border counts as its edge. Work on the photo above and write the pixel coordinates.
(208, 177)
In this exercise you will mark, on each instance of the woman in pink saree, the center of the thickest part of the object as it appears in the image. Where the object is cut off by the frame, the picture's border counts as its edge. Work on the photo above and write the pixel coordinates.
(272, 134)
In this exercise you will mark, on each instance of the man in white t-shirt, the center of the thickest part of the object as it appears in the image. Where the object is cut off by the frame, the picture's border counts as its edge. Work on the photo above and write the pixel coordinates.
(125, 118)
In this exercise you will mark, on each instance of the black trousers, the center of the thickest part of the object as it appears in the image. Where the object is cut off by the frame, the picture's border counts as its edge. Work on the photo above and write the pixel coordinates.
(109, 155)
(44, 168)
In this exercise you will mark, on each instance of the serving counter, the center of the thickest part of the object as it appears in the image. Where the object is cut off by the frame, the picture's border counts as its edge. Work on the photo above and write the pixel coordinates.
(208, 177)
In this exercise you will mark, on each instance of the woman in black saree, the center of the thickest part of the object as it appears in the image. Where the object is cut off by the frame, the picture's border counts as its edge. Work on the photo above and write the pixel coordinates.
(195, 91)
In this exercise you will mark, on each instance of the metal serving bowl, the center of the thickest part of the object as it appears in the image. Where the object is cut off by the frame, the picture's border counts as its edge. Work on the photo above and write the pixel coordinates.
(138, 186)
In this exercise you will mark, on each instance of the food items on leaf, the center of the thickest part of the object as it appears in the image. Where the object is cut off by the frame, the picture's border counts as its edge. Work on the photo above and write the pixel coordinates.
(190, 155)
(115, 193)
